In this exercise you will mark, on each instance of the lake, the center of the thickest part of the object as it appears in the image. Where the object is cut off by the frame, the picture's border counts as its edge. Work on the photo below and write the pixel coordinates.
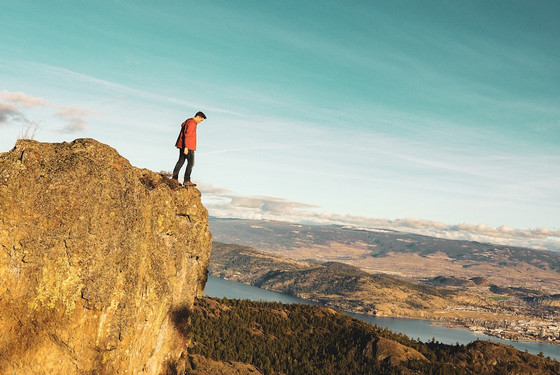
(414, 328)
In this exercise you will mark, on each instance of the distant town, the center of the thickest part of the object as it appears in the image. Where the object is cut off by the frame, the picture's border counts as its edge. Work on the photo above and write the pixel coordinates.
(545, 330)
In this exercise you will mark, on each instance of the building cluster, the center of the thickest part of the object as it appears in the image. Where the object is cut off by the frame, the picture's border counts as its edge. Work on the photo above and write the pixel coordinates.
(519, 330)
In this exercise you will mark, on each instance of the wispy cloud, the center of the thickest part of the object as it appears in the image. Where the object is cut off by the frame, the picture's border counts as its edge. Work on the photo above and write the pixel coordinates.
(74, 118)
(13, 107)
(120, 89)
(9, 112)
(225, 203)
(19, 98)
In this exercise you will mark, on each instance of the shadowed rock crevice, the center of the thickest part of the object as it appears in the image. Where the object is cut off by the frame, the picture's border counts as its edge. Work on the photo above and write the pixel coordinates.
(95, 255)
(181, 320)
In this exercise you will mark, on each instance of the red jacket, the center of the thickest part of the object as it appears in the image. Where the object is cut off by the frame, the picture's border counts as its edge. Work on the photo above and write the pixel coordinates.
(187, 136)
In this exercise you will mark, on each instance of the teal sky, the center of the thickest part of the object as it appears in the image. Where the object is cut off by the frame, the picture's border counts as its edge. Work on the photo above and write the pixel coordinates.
(445, 111)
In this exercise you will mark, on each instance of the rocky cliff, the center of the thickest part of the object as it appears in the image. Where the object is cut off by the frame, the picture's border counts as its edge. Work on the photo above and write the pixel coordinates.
(95, 257)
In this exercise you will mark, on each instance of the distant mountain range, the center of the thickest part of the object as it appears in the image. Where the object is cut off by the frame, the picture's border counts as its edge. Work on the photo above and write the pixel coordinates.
(411, 256)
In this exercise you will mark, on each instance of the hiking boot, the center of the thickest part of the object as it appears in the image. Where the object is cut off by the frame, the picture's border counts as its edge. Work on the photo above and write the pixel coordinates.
(175, 180)
(188, 184)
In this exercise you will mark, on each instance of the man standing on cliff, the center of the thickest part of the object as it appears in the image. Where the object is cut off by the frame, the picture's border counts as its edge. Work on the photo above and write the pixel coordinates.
(186, 143)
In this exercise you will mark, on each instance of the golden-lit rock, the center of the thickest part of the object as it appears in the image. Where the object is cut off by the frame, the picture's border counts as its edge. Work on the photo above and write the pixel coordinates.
(95, 255)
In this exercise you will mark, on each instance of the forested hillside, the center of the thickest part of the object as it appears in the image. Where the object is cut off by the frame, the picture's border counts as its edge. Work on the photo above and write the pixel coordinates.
(301, 339)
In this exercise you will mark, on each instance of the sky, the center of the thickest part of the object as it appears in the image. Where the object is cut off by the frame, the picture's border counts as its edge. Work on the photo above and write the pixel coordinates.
(436, 117)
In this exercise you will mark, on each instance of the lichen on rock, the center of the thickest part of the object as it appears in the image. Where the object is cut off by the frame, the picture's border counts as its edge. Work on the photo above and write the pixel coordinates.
(95, 255)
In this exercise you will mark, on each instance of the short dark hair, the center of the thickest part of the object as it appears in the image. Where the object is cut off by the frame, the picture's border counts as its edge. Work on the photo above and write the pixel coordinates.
(200, 114)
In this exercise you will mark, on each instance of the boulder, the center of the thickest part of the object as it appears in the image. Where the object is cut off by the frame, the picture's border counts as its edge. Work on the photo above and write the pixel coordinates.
(95, 257)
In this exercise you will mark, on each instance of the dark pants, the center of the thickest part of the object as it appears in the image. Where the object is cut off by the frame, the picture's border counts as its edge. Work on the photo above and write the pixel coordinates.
(190, 164)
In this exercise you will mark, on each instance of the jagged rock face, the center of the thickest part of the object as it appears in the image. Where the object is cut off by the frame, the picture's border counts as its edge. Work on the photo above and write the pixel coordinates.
(95, 256)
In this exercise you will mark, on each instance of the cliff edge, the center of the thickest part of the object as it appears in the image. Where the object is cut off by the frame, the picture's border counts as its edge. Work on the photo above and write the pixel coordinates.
(95, 257)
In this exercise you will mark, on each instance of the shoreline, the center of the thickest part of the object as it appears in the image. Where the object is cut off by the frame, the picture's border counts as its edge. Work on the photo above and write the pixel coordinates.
(434, 320)
(489, 333)
(420, 329)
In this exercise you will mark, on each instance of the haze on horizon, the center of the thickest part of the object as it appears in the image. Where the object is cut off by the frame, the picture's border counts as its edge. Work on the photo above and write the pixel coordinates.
(441, 117)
